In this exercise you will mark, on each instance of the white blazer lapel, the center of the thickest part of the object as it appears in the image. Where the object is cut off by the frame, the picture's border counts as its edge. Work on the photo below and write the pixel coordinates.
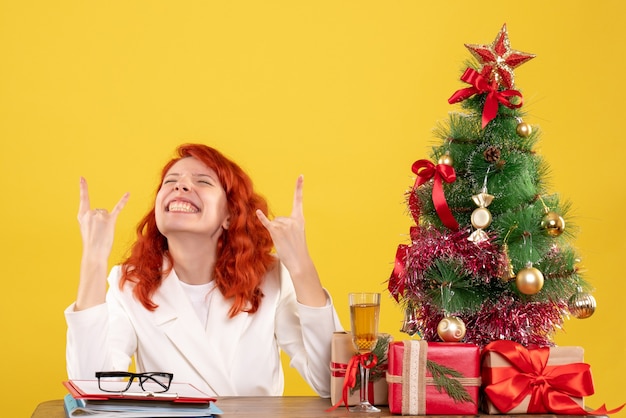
(181, 325)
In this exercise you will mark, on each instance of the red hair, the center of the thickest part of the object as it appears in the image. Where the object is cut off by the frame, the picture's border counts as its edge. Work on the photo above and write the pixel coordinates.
(243, 250)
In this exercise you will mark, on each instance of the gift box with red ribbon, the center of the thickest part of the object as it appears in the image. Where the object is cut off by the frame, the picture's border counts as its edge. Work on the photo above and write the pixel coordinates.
(342, 352)
(429, 378)
(517, 380)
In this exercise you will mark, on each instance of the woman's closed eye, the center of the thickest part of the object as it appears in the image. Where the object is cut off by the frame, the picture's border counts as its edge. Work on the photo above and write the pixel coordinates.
(169, 179)
(206, 180)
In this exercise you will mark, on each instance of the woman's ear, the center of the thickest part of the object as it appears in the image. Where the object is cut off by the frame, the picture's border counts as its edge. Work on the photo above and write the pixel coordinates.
(226, 223)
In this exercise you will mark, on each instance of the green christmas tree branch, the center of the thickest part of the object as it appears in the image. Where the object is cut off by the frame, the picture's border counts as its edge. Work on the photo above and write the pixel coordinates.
(444, 379)
(451, 287)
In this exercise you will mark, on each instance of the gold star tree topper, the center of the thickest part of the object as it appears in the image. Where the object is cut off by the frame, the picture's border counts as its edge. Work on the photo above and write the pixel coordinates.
(499, 59)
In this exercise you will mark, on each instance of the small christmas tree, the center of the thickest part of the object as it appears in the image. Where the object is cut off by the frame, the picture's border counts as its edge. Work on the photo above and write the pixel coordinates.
(490, 257)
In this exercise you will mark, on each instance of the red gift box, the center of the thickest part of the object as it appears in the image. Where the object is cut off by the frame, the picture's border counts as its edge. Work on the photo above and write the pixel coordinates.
(428, 378)
(342, 350)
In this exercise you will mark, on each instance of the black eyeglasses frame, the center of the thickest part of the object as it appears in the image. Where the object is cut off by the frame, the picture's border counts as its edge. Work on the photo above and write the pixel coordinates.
(141, 378)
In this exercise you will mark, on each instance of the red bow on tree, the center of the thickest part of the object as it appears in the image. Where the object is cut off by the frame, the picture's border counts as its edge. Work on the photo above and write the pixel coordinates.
(426, 170)
(397, 279)
(480, 84)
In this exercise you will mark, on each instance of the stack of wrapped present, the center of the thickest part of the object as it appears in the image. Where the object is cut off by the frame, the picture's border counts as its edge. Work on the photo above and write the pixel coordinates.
(416, 377)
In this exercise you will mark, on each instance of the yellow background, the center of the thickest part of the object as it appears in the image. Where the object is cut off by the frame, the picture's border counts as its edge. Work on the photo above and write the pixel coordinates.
(345, 92)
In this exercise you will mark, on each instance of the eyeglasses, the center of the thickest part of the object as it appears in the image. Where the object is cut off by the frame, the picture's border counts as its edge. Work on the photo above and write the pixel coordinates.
(119, 382)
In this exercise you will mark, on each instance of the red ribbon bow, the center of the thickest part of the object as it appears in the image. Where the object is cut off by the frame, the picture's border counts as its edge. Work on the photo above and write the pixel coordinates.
(550, 387)
(367, 360)
(426, 170)
(480, 84)
(397, 278)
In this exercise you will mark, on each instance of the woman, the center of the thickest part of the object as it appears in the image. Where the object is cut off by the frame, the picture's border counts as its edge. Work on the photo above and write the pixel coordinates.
(201, 295)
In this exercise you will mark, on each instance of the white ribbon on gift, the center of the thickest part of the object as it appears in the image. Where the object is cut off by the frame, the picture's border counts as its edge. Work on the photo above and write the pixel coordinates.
(412, 402)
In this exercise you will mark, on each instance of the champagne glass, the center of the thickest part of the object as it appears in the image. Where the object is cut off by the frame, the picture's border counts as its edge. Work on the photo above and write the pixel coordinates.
(364, 311)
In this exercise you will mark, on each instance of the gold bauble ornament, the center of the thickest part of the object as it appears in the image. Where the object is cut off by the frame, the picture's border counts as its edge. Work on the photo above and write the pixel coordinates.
(581, 305)
(524, 129)
(552, 224)
(446, 159)
(451, 329)
(529, 280)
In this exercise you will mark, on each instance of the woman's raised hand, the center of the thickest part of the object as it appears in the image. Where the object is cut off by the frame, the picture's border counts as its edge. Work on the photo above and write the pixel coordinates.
(288, 232)
(97, 228)
(290, 242)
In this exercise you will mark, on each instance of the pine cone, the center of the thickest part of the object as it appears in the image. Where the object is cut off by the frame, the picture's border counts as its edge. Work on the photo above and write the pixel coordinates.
(492, 154)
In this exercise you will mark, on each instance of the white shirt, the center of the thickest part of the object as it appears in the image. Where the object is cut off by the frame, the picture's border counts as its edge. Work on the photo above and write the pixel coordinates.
(222, 356)
(200, 296)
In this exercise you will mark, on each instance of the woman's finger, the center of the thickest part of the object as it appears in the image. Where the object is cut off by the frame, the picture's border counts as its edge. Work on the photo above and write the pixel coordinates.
(120, 204)
(297, 211)
(266, 222)
(83, 205)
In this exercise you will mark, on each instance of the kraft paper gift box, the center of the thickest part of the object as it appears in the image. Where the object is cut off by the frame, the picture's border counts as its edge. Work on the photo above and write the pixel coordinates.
(342, 350)
(515, 379)
(430, 378)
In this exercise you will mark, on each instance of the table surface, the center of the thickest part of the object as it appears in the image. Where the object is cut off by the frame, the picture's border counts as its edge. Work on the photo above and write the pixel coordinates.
(278, 407)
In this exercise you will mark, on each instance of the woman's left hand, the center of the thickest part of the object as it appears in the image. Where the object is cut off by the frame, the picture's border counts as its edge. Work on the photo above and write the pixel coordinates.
(291, 247)
(288, 232)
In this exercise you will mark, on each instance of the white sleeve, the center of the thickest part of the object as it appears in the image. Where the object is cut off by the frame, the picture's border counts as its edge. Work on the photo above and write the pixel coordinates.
(305, 334)
(99, 338)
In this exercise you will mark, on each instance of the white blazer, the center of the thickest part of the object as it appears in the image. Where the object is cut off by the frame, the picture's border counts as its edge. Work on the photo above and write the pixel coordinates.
(239, 356)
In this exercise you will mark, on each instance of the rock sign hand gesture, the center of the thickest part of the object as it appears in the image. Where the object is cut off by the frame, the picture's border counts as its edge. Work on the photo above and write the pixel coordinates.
(97, 228)
(290, 243)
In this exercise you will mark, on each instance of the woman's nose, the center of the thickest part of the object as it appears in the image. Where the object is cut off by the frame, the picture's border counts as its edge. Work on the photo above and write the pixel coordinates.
(181, 184)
